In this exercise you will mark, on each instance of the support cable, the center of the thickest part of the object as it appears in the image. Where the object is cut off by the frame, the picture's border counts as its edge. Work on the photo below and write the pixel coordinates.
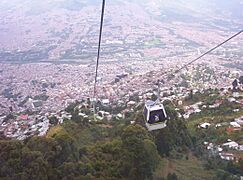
(98, 55)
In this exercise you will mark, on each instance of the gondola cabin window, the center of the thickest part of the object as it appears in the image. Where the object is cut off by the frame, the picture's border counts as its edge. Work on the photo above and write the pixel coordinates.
(155, 116)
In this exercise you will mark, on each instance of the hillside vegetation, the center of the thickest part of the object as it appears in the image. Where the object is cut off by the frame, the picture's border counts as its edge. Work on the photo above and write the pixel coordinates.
(82, 149)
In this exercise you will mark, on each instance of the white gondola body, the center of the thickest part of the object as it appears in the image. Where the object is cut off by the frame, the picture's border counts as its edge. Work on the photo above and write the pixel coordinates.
(155, 116)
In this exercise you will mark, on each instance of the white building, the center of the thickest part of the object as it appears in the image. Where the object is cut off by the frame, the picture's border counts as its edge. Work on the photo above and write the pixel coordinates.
(232, 145)
(227, 156)
(105, 101)
(235, 124)
(239, 120)
(204, 125)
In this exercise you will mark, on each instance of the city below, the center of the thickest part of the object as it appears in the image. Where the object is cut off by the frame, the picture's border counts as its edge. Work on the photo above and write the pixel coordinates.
(48, 60)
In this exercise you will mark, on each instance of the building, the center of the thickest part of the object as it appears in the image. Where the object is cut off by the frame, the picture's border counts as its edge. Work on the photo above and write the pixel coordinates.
(235, 124)
(232, 145)
(204, 125)
(227, 156)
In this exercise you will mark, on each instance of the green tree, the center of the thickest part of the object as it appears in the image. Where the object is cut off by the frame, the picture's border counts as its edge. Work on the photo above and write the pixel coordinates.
(53, 120)
(174, 136)
(140, 156)
(241, 80)
(172, 176)
(235, 84)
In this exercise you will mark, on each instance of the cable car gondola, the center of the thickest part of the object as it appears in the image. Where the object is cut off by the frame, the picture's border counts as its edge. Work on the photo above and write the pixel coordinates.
(155, 115)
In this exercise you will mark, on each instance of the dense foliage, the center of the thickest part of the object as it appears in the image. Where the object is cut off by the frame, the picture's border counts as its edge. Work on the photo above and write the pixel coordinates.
(62, 156)
(79, 149)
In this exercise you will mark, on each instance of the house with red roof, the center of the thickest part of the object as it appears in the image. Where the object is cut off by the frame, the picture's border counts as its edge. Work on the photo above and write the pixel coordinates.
(24, 117)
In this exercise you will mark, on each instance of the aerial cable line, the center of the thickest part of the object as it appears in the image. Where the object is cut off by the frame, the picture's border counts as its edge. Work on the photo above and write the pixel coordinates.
(178, 70)
(209, 51)
(172, 75)
(154, 111)
(98, 53)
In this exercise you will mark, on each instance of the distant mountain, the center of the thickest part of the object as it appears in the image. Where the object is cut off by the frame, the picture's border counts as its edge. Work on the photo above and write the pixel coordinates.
(218, 12)
(37, 6)
(67, 29)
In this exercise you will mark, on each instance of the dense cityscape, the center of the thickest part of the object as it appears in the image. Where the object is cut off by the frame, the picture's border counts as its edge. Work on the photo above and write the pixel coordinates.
(47, 70)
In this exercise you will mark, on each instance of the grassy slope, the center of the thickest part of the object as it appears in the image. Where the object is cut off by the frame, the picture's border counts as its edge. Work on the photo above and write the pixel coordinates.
(190, 169)
(193, 122)
(82, 135)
